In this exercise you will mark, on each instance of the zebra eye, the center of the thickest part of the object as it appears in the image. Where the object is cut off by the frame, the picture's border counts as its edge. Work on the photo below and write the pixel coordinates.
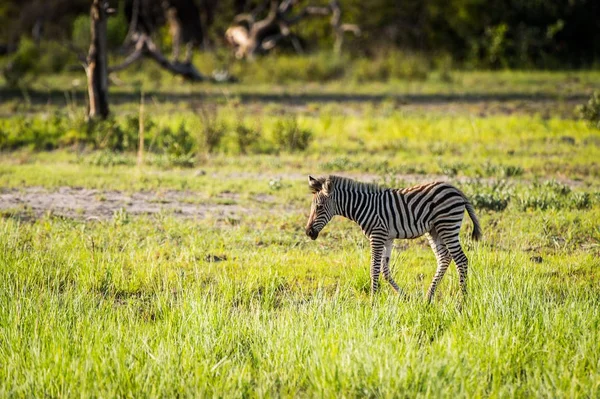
(319, 206)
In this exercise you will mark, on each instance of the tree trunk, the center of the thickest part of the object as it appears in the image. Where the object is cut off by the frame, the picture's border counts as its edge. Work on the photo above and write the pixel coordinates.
(97, 63)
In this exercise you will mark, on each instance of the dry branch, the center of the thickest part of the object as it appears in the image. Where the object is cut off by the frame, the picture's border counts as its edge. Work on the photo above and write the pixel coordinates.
(250, 36)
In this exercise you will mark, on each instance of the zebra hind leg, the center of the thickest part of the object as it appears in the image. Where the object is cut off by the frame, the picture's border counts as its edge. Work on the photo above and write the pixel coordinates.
(377, 248)
(443, 258)
(462, 263)
(385, 266)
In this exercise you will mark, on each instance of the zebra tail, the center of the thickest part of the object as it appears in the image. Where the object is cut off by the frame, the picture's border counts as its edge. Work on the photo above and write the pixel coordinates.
(477, 232)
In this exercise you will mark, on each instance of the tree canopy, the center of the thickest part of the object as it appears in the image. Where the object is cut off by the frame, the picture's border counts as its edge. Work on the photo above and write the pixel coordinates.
(483, 33)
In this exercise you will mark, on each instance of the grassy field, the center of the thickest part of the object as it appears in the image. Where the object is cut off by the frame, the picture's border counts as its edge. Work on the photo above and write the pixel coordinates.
(232, 299)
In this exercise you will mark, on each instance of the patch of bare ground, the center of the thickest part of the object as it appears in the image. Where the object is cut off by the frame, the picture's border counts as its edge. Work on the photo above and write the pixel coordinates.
(89, 204)
(92, 204)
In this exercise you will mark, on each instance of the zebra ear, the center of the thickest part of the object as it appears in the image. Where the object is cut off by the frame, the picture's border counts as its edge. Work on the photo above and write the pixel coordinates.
(314, 184)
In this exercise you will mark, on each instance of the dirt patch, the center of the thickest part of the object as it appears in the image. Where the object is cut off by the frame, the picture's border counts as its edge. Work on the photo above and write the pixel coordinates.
(91, 204)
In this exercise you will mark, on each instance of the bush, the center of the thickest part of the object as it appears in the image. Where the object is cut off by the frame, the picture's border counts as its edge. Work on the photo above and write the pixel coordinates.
(340, 164)
(288, 68)
(590, 112)
(490, 169)
(23, 63)
(176, 142)
(289, 136)
(38, 134)
(390, 66)
(452, 169)
(108, 158)
(246, 137)
(212, 130)
(494, 197)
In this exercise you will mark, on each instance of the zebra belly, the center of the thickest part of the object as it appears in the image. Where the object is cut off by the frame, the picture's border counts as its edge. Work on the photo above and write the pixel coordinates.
(412, 231)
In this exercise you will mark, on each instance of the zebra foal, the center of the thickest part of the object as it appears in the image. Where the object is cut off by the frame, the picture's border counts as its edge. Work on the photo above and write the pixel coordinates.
(434, 209)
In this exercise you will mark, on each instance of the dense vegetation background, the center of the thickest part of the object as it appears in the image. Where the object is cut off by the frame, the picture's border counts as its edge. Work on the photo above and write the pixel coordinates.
(471, 33)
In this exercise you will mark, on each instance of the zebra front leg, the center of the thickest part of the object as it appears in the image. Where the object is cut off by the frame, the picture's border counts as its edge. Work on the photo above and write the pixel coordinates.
(377, 247)
(385, 263)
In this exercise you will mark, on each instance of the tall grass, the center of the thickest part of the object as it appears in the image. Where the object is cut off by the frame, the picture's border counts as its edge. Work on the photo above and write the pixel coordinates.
(142, 309)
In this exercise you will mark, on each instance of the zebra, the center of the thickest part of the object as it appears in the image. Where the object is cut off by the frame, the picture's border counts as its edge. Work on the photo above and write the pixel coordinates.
(433, 209)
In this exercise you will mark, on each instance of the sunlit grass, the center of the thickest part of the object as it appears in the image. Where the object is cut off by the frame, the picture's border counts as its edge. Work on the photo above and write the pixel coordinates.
(246, 305)
(142, 308)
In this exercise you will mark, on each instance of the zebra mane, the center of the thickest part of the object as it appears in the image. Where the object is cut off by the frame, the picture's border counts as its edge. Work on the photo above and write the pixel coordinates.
(346, 184)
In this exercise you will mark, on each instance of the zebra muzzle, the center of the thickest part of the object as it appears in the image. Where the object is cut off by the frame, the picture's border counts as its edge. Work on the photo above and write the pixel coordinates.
(312, 233)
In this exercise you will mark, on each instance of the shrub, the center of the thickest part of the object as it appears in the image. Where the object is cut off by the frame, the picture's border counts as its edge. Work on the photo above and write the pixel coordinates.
(340, 164)
(289, 136)
(110, 135)
(287, 68)
(452, 169)
(543, 198)
(175, 142)
(490, 169)
(108, 158)
(246, 136)
(590, 112)
(493, 201)
(495, 197)
(23, 63)
(392, 65)
(212, 130)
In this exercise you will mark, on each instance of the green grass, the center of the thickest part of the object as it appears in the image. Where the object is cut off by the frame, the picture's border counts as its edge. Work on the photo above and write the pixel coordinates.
(246, 305)
(140, 308)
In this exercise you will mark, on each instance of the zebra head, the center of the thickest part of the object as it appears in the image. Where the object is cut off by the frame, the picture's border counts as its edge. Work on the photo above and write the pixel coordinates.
(322, 207)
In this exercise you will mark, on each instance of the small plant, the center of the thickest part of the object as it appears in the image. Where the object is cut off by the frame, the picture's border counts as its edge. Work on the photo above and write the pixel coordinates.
(581, 200)
(290, 136)
(275, 184)
(121, 217)
(108, 158)
(176, 142)
(212, 130)
(553, 186)
(340, 164)
(591, 111)
(452, 169)
(495, 197)
(511, 170)
(246, 136)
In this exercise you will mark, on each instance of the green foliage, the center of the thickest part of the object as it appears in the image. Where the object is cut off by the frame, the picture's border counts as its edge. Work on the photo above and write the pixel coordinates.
(322, 67)
(116, 30)
(176, 142)
(23, 63)
(212, 130)
(246, 136)
(80, 33)
(590, 112)
(340, 164)
(108, 159)
(492, 197)
(289, 136)
(390, 66)
(553, 195)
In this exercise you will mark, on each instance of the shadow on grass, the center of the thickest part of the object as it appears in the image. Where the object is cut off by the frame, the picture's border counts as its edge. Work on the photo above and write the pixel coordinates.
(40, 97)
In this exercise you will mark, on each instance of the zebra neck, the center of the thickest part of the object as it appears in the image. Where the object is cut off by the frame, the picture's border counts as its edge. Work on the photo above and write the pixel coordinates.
(356, 206)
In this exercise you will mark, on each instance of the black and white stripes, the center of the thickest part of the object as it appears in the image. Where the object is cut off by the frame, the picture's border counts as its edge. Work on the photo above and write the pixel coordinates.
(435, 209)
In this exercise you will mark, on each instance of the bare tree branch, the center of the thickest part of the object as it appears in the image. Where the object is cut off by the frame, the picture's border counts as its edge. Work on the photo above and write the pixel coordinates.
(249, 36)
(146, 47)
